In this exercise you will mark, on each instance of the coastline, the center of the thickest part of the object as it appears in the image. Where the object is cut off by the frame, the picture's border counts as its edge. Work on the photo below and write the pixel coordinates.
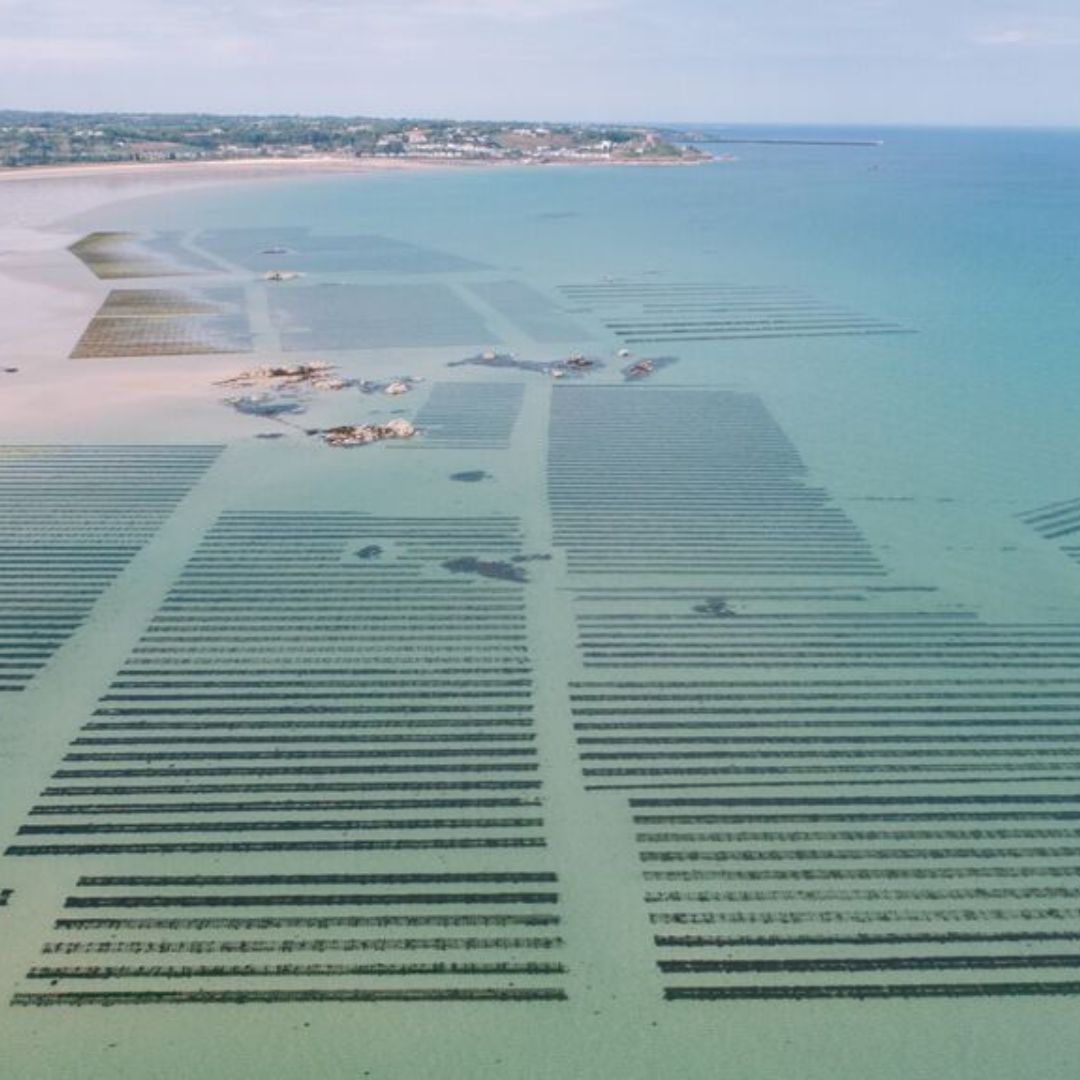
(261, 166)
(224, 167)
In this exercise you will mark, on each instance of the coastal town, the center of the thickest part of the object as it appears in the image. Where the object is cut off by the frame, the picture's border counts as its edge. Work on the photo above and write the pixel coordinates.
(34, 139)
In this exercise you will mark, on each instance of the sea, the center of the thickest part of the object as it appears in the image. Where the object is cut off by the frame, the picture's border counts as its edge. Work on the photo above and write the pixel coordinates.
(691, 695)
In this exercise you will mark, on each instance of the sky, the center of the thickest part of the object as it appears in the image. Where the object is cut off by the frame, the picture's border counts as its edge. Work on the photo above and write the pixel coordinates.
(963, 62)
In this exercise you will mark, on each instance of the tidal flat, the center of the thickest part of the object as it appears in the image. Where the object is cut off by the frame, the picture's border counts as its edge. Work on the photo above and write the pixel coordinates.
(713, 721)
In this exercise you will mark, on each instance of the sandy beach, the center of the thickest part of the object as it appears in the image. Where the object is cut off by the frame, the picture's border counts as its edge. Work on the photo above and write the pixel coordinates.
(233, 168)
(48, 194)
(251, 168)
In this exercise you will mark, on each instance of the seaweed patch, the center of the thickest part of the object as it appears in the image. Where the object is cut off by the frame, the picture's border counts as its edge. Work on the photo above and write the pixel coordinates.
(716, 606)
(501, 571)
(265, 405)
(575, 365)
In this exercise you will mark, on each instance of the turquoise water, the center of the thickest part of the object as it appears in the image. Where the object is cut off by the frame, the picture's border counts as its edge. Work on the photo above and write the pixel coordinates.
(750, 752)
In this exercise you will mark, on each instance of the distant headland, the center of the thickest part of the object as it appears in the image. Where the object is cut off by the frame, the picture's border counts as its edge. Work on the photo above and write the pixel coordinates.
(40, 139)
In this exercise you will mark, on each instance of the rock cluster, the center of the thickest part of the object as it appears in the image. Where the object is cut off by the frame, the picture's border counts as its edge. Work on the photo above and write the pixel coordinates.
(643, 368)
(316, 374)
(362, 434)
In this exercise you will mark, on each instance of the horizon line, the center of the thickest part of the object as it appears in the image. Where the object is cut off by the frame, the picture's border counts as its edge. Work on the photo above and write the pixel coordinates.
(905, 125)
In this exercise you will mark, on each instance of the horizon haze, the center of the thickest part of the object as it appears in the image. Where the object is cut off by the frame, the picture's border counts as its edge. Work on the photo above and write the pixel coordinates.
(829, 62)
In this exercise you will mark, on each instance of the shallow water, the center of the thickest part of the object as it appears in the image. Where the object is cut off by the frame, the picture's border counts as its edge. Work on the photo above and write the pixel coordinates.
(767, 771)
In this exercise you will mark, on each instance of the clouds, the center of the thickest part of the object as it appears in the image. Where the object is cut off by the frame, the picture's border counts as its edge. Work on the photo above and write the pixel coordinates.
(828, 60)
(30, 51)
(516, 10)
(1031, 33)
